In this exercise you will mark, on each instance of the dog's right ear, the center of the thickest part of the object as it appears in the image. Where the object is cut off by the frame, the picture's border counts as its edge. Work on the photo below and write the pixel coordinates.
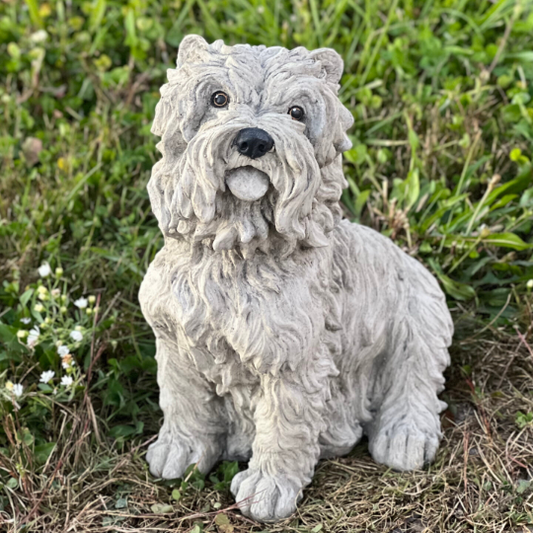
(331, 63)
(192, 49)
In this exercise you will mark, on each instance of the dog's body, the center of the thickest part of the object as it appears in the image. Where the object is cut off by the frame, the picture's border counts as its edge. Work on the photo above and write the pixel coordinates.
(283, 333)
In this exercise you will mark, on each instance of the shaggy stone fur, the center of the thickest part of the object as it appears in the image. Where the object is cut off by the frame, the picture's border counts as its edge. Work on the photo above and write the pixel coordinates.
(283, 332)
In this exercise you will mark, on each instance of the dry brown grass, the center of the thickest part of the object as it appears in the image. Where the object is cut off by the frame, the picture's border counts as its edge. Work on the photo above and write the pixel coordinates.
(482, 480)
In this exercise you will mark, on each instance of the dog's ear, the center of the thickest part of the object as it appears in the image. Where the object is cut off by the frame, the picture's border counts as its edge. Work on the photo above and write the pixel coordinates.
(192, 49)
(331, 62)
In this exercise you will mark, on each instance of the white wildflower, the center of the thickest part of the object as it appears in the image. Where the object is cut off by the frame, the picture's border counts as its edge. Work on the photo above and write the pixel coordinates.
(81, 303)
(39, 36)
(67, 362)
(44, 270)
(76, 335)
(39, 308)
(33, 337)
(66, 381)
(25, 320)
(18, 389)
(9, 385)
(47, 376)
(63, 350)
(56, 293)
(529, 284)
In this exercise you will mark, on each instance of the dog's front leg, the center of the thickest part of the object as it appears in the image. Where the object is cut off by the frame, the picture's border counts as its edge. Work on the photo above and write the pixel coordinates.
(194, 426)
(289, 416)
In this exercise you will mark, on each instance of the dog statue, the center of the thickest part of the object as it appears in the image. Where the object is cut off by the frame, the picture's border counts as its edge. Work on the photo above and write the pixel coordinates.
(283, 332)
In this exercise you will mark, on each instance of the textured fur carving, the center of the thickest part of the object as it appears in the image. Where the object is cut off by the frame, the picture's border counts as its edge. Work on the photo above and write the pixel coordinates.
(283, 332)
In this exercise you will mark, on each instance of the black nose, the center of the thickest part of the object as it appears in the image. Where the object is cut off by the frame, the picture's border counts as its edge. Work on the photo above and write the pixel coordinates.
(253, 142)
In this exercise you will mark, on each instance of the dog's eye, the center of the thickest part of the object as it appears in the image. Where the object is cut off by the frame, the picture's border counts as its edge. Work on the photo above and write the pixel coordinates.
(296, 112)
(220, 99)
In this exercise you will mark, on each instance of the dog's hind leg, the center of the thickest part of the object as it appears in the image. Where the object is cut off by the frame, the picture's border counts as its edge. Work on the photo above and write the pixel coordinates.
(194, 426)
(405, 431)
(289, 417)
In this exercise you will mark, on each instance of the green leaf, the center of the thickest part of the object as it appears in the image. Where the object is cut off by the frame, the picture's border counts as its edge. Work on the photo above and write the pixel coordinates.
(507, 240)
(97, 14)
(413, 139)
(131, 36)
(457, 290)
(26, 436)
(176, 495)
(522, 486)
(122, 431)
(412, 188)
(33, 9)
(43, 451)
(361, 201)
(25, 297)
(222, 519)
(198, 484)
(7, 333)
(122, 503)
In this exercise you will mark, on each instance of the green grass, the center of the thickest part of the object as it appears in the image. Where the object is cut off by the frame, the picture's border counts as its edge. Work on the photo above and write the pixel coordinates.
(441, 93)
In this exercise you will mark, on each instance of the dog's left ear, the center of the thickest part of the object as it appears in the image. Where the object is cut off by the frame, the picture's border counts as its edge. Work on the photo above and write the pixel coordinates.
(331, 62)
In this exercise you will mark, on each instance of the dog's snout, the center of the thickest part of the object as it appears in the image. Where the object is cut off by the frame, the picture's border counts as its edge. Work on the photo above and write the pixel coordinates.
(253, 142)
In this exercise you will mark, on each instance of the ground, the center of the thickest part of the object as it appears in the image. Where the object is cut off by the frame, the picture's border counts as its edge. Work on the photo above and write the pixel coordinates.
(441, 96)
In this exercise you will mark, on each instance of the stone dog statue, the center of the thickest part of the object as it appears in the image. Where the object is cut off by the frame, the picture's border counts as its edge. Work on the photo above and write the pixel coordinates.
(284, 333)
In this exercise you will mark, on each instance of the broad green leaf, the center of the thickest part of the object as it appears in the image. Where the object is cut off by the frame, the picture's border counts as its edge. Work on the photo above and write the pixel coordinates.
(122, 431)
(25, 297)
(43, 451)
(507, 240)
(457, 290)
(222, 519)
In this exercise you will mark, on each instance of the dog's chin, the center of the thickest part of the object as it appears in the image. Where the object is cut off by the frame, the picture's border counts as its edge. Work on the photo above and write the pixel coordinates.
(247, 183)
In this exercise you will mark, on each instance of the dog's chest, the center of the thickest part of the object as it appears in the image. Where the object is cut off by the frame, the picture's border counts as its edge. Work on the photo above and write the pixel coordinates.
(256, 314)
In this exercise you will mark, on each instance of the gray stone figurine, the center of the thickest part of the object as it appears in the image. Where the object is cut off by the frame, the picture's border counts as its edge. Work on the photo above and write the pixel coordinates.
(284, 333)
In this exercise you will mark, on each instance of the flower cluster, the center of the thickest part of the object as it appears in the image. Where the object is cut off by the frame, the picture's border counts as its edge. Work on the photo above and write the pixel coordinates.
(47, 322)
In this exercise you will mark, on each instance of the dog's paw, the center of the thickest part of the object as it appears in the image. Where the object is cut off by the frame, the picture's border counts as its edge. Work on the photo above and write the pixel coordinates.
(265, 498)
(169, 457)
(404, 448)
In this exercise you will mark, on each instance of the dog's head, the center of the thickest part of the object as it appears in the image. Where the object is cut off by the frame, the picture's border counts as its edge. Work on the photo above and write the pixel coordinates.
(251, 139)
